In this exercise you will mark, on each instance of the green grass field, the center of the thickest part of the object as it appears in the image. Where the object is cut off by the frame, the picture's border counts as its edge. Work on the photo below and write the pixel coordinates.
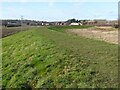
(63, 28)
(43, 57)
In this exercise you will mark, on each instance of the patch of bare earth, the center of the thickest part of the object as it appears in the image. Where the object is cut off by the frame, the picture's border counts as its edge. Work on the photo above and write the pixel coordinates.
(107, 35)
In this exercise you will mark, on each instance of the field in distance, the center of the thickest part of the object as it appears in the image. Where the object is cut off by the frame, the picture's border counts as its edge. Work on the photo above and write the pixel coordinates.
(50, 57)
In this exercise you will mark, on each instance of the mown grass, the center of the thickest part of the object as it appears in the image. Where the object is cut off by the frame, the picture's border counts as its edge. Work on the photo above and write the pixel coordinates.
(46, 58)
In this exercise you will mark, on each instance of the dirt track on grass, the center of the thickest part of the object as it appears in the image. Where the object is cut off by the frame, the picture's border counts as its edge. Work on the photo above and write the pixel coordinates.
(110, 36)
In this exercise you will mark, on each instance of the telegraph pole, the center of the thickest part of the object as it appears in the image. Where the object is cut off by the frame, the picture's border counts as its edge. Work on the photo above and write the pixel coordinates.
(21, 22)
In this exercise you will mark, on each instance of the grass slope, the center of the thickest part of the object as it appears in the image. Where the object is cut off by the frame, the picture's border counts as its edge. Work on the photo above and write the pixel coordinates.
(63, 28)
(46, 58)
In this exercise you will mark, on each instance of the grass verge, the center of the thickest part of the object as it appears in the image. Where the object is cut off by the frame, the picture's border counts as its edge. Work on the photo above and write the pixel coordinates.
(46, 58)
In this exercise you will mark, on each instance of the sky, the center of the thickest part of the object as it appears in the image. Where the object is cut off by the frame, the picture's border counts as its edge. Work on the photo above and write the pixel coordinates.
(59, 11)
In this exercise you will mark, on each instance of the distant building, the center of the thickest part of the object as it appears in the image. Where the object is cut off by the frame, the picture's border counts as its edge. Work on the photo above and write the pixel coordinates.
(75, 24)
(71, 22)
(112, 22)
(101, 22)
(11, 23)
(45, 23)
(59, 23)
(62, 23)
(91, 23)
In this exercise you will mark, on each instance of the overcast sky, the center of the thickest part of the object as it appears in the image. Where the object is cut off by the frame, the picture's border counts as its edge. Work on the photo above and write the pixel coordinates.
(59, 11)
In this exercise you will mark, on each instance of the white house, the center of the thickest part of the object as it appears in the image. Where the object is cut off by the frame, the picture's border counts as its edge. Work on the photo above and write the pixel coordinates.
(75, 24)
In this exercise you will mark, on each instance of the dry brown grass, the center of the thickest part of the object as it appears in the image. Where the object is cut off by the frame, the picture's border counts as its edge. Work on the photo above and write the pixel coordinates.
(107, 34)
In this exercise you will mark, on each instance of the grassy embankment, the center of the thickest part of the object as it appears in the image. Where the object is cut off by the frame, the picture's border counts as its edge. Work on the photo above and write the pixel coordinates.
(42, 57)
(63, 28)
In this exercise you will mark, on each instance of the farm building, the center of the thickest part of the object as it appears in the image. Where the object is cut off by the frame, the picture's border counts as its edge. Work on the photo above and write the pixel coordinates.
(75, 24)
(11, 23)
(101, 22)
(58, 23)
(91, 23)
